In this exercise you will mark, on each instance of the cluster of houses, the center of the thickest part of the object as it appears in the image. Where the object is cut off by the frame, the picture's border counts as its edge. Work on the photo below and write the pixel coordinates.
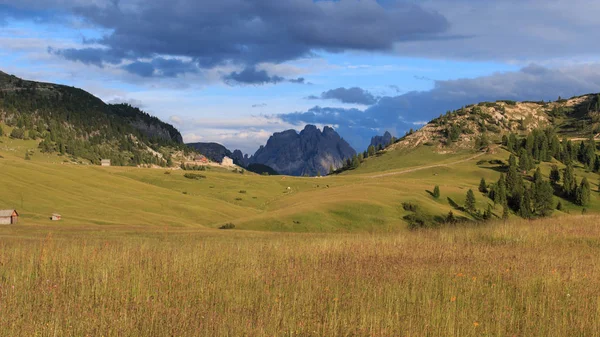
(11, 217)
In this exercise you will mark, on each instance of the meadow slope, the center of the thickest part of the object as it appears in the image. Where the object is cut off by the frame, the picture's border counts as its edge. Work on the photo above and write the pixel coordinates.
(520, 278)
(366, 199)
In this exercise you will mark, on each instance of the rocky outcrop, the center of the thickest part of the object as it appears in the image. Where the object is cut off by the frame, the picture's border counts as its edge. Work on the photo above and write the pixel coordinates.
(216, 152)
(384, 140)
(213, 151)
(310, 152)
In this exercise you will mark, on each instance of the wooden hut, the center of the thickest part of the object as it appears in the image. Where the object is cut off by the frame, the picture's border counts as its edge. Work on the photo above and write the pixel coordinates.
(105, 162)
(9, 217)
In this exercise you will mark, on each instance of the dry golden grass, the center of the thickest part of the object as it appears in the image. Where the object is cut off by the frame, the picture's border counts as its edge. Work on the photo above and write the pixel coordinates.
(539, 278)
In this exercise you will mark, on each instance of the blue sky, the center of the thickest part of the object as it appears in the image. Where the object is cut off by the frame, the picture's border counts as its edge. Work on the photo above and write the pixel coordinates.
(235, 71)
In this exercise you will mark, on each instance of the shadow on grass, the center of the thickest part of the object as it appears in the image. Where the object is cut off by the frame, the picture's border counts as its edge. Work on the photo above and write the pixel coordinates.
(455, 205)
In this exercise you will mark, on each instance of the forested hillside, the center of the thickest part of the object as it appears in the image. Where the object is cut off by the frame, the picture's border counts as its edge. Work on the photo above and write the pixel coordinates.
(71, 121)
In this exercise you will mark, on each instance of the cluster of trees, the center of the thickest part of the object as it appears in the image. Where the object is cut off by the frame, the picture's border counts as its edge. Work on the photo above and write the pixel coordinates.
(71, 121)
(526, 199)
(356, 160)
(544, 144)
(578, 193)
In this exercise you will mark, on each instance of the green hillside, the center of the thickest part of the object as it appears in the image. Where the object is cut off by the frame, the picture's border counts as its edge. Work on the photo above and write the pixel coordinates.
(367, 199)
(71, 121)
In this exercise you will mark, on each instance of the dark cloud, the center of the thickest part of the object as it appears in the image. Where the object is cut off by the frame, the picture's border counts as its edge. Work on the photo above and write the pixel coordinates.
(251, 76)
(353, 95)
(402, 112)
(299, 80)
(160, 67)
(525, 31)
(245, 32)
(90, 56)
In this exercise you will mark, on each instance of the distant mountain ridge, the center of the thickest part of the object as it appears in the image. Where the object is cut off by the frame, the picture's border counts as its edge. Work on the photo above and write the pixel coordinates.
(310, 152)
(382, 141)
(216, 152)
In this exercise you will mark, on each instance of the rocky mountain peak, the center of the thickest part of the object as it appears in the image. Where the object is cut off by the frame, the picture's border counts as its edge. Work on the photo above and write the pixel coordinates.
(311, 151)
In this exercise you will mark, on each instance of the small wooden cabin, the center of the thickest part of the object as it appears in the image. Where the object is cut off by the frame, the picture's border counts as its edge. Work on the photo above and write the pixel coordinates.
(105, 162)
(56, 217)
(9, 217)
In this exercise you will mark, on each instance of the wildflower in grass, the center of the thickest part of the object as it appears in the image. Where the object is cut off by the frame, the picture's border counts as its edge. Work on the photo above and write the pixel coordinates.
(453, 299)
(475, 324)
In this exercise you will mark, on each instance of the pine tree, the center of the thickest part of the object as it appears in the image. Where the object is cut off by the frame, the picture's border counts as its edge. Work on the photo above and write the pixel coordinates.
(483, 186)
(554, 175)
(1, 131)
(513, 143)
(505, 212)
(470, 201)
(371, 151)
(436, 192)
(500, 191)
(487, 214)
(543, 201)
(583, 193)
(513, 178)
(450, 218)
(525, 204)
(355, 162)
(331, 170)
(524, 163)
(569, 184)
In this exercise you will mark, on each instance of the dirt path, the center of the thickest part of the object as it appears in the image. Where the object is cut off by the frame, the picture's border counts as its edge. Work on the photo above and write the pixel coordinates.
(579, 139)
(427, 167)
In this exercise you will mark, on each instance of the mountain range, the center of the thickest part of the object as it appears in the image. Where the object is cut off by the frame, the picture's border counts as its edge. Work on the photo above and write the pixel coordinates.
(309, 152)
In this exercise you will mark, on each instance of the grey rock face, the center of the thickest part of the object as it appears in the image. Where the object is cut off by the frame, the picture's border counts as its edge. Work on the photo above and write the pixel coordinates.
(309, 152)
(381, 140)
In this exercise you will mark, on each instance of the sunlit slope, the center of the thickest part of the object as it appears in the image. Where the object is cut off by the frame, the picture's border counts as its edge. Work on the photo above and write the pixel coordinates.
(362, 200)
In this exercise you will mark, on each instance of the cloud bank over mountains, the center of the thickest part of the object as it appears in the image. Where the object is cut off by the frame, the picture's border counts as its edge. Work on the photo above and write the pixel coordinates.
(245, 44)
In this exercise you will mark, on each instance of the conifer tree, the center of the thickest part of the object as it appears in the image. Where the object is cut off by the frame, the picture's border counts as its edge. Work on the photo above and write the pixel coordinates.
(554, 175)
(505, 212)
(371, 150)
(543, 201)
(483, 186)
(569, 184)
(524, 163)
(583, 193)
(500, 191)
(513, 178)
(525, 204)
(470, 201)
(436, 192)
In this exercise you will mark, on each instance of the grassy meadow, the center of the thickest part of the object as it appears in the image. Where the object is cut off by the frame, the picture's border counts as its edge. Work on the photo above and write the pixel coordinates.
(138, 253)
(520, 278)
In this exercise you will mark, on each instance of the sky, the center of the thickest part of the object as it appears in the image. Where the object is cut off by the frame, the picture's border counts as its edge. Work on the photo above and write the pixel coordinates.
(236, 71)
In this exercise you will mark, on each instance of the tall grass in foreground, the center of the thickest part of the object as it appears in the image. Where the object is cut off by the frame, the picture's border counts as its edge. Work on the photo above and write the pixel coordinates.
(538, 278)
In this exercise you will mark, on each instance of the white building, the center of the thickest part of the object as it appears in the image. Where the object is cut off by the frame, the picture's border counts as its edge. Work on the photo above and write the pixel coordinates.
(105, 162)
(227, 162)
